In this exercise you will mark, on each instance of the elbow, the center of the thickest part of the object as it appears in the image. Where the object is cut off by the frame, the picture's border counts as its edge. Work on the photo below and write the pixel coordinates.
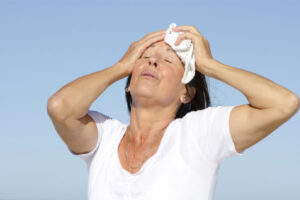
(292, 105)
(54, 107)
(295, 102)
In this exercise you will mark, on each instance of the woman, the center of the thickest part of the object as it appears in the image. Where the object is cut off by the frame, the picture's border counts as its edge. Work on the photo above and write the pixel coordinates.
(175, 141)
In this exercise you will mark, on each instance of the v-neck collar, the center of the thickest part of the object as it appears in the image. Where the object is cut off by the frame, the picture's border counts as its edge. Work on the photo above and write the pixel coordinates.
(148, 161)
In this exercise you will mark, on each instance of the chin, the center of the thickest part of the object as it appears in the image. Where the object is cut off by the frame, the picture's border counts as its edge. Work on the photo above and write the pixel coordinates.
(145, 91)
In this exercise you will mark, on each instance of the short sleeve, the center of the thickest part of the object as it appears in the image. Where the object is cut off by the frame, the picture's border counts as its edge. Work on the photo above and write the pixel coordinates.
(211, 132)
(100, 119)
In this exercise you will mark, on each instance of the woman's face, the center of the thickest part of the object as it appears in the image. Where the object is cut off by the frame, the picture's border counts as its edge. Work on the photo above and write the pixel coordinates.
(161, 60)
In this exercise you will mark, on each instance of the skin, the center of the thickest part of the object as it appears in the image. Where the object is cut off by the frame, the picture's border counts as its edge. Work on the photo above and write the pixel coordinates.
(270, 105)
(151, 97)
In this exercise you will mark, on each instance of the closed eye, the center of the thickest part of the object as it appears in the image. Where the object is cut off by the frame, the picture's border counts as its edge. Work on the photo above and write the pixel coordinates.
(164, 59)
(168, 61)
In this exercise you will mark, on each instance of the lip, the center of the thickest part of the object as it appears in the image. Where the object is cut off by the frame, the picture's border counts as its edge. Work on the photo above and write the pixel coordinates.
(148, 72)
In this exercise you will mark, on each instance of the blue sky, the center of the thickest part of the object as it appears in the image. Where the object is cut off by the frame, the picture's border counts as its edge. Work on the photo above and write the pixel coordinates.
(46, 44)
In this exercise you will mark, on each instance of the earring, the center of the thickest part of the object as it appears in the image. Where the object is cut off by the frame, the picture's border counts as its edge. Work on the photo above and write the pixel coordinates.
(184, 98)
(126, 89)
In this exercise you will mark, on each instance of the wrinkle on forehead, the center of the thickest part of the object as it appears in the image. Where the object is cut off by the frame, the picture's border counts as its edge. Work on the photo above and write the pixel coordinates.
(168, 47)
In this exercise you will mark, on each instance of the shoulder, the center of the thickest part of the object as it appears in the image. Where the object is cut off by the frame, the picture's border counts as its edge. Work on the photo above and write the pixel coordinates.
(98, 116)
(206, 117)
(104, 121)
(209, 111)
(197, 113)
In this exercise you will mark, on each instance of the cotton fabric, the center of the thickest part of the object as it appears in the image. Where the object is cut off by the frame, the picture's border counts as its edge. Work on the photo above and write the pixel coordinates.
(185, 51)
(185, 165)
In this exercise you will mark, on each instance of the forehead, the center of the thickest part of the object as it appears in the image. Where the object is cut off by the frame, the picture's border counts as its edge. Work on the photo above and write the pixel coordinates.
(162, 45)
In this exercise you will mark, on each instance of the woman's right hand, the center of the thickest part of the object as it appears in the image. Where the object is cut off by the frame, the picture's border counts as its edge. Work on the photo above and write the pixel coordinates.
(137, 48)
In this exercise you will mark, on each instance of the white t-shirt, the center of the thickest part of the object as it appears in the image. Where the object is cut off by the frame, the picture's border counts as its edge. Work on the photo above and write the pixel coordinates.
(185, 166)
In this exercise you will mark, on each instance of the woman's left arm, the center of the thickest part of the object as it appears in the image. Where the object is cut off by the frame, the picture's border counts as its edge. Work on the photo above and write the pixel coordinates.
(270, 104)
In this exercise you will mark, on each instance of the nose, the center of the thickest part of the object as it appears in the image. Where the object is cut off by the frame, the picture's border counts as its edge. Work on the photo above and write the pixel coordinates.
(153, 60)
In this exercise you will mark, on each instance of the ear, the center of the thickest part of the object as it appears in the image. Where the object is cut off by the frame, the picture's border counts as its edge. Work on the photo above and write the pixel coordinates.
(127, 89)
(188, 96)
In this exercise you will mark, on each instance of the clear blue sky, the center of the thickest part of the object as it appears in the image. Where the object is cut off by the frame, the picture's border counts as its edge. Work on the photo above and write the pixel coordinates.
(46, 44)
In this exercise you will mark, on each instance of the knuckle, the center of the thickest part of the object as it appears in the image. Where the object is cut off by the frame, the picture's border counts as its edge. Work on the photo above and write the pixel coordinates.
(133, 44)
(194, 28)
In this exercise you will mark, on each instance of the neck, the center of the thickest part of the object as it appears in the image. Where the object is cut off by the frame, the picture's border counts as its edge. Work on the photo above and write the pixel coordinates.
(148, 124)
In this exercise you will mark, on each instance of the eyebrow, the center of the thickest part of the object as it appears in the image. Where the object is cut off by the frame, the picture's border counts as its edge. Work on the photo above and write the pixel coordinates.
(168, 49)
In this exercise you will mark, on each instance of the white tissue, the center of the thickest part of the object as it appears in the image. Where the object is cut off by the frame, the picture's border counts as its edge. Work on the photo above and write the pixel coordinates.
(185, 51)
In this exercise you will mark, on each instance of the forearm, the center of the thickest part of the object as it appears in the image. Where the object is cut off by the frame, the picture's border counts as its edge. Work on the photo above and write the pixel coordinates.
(75, 98)
(261, 92)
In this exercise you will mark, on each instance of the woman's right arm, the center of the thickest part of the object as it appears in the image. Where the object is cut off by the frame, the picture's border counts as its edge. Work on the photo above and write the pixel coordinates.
(68, 107)
(74, 99)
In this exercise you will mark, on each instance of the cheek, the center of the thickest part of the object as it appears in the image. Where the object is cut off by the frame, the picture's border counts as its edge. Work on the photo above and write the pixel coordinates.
(173, 74)
(171, 84)
(137, 64)
(137, 69)
(172, 78)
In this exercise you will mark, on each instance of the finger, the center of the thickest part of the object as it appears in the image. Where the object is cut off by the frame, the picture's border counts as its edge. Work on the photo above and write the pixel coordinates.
(185, 35)
(154, 33)
(148, 41)
(149, 36)
(191, 29)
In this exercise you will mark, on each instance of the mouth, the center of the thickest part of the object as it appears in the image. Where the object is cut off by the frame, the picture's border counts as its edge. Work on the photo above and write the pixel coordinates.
(149, 75)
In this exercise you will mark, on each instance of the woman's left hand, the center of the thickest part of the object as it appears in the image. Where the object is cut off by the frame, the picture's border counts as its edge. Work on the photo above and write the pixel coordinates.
(201, 45)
